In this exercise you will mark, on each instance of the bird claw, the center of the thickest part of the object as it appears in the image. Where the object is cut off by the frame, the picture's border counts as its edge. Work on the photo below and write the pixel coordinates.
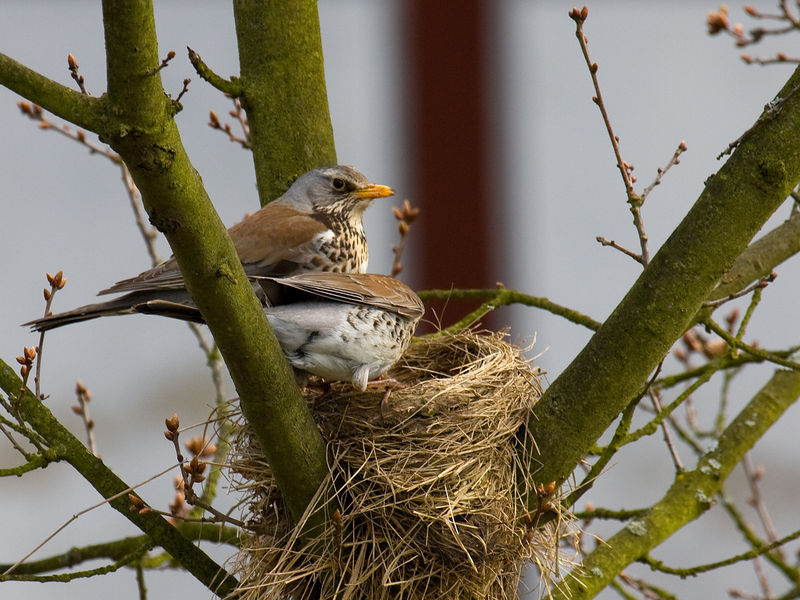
(390, 384)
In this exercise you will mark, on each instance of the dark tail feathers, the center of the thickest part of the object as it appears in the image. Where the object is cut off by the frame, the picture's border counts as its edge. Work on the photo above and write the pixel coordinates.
(179, 307)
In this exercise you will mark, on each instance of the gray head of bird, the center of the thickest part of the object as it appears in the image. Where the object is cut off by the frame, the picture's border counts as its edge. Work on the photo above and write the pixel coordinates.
(339, 191)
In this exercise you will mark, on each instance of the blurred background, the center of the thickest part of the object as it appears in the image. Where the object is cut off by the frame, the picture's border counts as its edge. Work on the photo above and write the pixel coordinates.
(481, 116)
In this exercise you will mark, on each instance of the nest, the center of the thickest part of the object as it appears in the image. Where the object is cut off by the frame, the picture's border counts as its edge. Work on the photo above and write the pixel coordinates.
(425, 495)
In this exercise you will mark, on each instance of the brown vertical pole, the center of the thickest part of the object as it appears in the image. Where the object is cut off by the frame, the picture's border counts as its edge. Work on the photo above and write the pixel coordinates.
(447, 70)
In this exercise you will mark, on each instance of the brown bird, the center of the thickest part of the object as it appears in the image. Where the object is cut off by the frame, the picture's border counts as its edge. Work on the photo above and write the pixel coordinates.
(340, 326)
(315, 226)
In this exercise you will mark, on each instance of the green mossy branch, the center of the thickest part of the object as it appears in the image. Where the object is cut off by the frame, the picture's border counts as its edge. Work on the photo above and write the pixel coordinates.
(502, 296)
(790, 572)
(227, 86)
(71, 449)
(689, 496)
(760, 258)
(760, 550)
(606, 513)
(611, 369)
(284, 92)
(118, 549)
(124, 561)
(34, 462)
(652, 426)
(764, 355)
(606, 454)
(176, 201)
(80, 109)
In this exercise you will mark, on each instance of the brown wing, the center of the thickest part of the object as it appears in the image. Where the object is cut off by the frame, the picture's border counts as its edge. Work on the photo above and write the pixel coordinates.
(167, 275)
(273, 234)
(370, 289)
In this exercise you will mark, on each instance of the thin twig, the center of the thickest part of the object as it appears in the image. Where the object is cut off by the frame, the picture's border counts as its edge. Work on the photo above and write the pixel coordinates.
(148, 233)
(73, 72)
(790, 572)
(770, 111)
(658, 565)
(232, 87)
(36, 113)
(78, 514)
(603, 241)
(191, 474)
(761, 283)
(14, 442)
(56, 282)
(758, 352)
(239, 114)
(214, 123)
(185, 89)
(140, 582)
(661, 172)
(405, 217)
(164, 63)
(655, 398)
(635, 200)
(756, 500)
(82, 410)
(579, 16)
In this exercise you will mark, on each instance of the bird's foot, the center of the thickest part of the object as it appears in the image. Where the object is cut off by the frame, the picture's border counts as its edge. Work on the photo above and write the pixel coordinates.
(390, 384)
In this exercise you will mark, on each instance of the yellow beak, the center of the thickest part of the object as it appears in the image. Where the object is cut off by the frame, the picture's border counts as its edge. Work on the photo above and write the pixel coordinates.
(374, 191)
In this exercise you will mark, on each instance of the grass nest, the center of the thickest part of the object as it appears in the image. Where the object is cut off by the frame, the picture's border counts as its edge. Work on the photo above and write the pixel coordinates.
(425, 495)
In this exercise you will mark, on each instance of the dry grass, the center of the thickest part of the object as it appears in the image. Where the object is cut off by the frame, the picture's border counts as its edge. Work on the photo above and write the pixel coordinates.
(428, 491)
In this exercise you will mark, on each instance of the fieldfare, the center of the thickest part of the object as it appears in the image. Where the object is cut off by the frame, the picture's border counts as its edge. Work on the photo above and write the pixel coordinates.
(340, 326)
(315, 226)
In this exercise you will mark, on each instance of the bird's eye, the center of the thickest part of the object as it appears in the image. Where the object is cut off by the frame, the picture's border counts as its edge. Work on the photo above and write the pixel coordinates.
(338, 184)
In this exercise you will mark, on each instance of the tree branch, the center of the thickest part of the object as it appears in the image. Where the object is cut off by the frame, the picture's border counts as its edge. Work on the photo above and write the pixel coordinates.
(612, 368)
(505, 297)
(80, 109)
(690, 495)
(173, 194)
(72, 450)
(228, 86)
(760, 258)
(284, 91)
(117, 549)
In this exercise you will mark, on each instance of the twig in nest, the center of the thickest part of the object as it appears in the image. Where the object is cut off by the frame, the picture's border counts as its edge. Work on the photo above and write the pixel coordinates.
(405, 217)
(544, 504)
(73, 71)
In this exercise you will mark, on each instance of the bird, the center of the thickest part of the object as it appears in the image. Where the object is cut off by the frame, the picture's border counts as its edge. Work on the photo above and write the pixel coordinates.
(315, 226)
(348, 327)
